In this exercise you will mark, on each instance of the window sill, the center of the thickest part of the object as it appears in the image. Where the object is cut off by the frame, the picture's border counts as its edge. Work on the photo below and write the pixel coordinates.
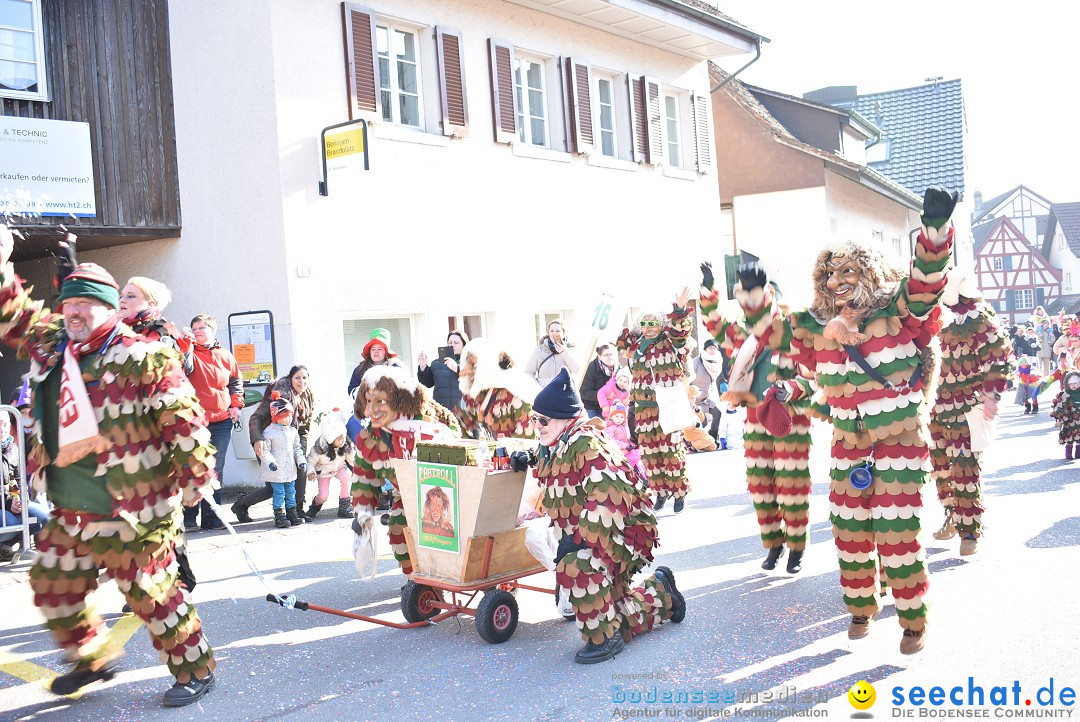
(388, 131)
(531, 151)
(602, 161)
(680, 173)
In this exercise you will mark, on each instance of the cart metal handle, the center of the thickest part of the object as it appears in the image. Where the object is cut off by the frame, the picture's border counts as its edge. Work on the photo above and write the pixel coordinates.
(302, 606)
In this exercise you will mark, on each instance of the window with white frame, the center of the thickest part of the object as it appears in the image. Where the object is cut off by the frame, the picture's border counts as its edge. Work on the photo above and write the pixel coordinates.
(471, 324)
(1061, 241)
(998, 263)
(545, 318)
(897, 248)
(399, 75)
(672, 134)
(1068, 281)
(22, 50)
(604, 102)
(1025, 298)
(530, 99)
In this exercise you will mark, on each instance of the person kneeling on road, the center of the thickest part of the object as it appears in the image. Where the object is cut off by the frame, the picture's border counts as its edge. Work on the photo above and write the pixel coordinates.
(605, 524)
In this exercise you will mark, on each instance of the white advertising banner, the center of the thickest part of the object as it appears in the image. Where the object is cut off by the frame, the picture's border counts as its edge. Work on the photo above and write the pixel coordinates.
(46, 168)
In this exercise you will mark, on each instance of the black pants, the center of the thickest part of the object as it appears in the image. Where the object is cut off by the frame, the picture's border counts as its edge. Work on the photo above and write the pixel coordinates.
(220, 435)
(267, 491)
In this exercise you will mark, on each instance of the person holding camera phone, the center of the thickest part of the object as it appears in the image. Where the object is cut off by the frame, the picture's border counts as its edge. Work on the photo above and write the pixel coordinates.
(441, 375)
(552, 355)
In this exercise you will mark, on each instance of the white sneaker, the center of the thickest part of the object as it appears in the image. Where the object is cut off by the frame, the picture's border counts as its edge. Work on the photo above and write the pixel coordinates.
(565, 607)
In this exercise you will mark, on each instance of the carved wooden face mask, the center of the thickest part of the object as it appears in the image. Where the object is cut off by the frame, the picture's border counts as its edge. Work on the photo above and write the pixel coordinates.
(842, 280)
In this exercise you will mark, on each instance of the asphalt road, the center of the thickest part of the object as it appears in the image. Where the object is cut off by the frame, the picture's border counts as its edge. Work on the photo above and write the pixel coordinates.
(1006, 614)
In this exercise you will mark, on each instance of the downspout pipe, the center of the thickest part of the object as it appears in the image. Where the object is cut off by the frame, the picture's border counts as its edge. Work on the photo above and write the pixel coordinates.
(729, 78)
(721, 84)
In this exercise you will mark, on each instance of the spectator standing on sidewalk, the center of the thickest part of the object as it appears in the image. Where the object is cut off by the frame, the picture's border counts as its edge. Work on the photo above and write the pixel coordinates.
(376, 353)
(552, 355)
(220, 388)
(441, 375)
(599, 372)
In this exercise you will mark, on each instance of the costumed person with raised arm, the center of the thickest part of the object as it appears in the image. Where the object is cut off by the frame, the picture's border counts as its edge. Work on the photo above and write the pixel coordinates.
(975, 359)
(605, 526)
(496, 398)
(778, 446)
(1065, 409)
(657, 353)
(867, 338)
(119, 439)
(398, 413)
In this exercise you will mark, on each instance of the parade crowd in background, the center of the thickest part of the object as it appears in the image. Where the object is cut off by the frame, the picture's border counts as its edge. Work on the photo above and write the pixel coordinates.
(906, 365)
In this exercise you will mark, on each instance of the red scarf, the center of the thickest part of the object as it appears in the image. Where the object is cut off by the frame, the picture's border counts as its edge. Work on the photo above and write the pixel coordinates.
(97, 337)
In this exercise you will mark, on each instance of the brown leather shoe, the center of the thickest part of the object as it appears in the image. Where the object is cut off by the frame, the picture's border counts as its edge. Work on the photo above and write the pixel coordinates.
(859, 627)
(913, 641)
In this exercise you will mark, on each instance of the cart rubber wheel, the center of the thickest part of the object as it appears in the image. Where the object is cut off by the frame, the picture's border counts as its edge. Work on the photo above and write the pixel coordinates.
(416, 601)
(497, 616)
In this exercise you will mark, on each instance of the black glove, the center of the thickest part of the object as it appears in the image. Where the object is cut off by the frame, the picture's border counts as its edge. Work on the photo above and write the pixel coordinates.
(65, 260)
(272, 466)
(707, 278)
(567, 545)
(938, 205)
(522, 460)
(752, 275)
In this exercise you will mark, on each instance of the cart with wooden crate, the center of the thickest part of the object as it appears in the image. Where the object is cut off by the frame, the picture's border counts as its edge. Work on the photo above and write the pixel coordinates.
(463, 541)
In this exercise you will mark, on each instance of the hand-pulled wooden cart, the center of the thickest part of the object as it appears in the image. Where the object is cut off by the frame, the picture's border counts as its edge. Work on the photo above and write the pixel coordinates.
(471, 551)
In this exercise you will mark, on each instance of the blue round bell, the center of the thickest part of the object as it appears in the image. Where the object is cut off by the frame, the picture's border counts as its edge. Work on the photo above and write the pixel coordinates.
(861, 477)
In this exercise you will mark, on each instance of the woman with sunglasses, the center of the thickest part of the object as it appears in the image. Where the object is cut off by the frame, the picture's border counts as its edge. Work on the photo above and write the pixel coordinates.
(657, 354)
(601, 515)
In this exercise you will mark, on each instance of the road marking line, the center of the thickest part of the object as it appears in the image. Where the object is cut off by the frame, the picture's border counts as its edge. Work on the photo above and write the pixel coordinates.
(28, 671)
(124, 628)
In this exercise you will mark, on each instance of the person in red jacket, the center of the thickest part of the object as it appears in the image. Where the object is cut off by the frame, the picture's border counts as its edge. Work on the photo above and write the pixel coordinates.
(220, 388)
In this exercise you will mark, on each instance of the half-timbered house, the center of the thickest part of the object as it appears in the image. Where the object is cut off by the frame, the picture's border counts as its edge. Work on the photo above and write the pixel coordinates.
(1013, 274)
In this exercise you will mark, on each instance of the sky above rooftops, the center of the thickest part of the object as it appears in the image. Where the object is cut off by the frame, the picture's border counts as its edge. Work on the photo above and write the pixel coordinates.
(1015, 61)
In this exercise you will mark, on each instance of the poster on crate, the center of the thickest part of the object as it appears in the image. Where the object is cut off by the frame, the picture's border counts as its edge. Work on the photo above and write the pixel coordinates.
(437, 498)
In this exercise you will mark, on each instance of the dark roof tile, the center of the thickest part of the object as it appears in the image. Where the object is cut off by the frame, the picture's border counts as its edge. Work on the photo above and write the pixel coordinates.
(925, 127)
(1068, 219)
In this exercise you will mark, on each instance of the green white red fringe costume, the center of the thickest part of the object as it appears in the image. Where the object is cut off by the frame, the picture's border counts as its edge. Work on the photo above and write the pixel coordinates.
(658, 362)
(974, 363)
(159, 451)
(777, 468)
(594, 499)
(885, 425)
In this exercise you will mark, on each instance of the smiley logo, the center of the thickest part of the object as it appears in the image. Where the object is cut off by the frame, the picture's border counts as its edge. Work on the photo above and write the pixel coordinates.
(862, 695)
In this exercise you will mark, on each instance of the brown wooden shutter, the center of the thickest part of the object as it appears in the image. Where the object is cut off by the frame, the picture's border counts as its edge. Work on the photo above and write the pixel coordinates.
(579, 102)
(502, 91)
(361, 61)
(455, 112)
(655, 116)
(639, 123)
(702, 132)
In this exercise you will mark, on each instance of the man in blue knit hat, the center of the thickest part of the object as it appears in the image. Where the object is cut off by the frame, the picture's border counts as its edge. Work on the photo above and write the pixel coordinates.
(604, 520)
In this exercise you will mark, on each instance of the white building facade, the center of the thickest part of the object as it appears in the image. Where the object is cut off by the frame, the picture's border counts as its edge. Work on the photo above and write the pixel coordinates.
(582, 188)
